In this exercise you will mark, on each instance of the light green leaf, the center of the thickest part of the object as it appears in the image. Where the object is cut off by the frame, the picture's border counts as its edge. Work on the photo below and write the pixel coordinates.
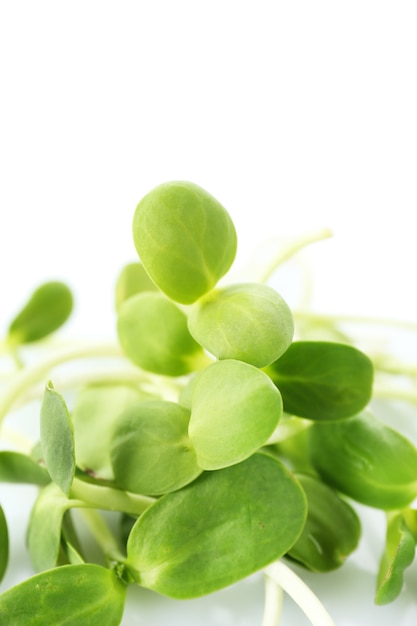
(48, 309)
(185, 239)
(332, 530)
(4, 544)
(57, 439)
(234, 409)
(45, 526)
(221, 528)
(398, 555)
(72, 595)
(16, 467)
(366, 460)
(132, 279)
(249, 322)
(323, 381)
(151, 452)
(96, 410)
(153, 333)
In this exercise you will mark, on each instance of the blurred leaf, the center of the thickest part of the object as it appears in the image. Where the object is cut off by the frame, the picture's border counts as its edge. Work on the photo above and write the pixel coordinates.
(132, 279)
(16, 467)
(4, 544)
(398, 555)
(48, 308)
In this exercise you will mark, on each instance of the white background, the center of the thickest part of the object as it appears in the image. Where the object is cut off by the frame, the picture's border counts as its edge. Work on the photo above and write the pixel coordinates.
(295, 115)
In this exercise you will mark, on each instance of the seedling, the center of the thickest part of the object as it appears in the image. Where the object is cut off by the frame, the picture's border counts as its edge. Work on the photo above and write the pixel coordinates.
(227, 441)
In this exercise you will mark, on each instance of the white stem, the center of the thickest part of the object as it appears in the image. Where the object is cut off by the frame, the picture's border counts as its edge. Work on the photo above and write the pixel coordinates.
(274, 598)
(300, 593)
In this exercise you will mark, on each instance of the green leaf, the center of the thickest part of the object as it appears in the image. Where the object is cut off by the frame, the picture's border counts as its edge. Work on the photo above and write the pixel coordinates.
(132, 279)
(96, 410)
(185, 239)
(4, 544)
(398, 555)
(153, 333)
(219, 529)
(322, 380)
(234, 409)
(151, 452)
(249, 322)
(332, 530)
(72, 595)
(57, 439)
(45, 526)
(366, 460)
(16, 467)
(48, 308)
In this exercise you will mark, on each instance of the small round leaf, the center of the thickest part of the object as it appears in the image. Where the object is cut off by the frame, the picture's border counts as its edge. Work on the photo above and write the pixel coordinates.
(185, 239)
(131, 280)
(234, 409)
(249, 322)
(322, 380)
(150, 450)
(153, 333)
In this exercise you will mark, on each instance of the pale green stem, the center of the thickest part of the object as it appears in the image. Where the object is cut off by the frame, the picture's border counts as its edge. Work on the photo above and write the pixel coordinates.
(274, 599)
(285, 252)
(102, 534)
(394, 366)
(123, 375)
(33, 374)
(395, 393)
(300, 593)
(333, 319)
(109, 499)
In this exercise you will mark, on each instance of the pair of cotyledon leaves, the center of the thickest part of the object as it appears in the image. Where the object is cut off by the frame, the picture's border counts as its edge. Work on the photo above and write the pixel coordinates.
(186, 242)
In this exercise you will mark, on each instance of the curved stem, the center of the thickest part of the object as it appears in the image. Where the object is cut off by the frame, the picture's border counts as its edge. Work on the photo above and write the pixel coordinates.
(333, 319)
(102, 534)
(395, 393)
(291, 248)
(27, 377)
(274, 598)
(300, 593)
(108, 498)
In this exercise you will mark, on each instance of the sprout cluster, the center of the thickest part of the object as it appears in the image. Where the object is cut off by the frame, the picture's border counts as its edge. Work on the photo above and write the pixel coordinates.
(225, 438)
